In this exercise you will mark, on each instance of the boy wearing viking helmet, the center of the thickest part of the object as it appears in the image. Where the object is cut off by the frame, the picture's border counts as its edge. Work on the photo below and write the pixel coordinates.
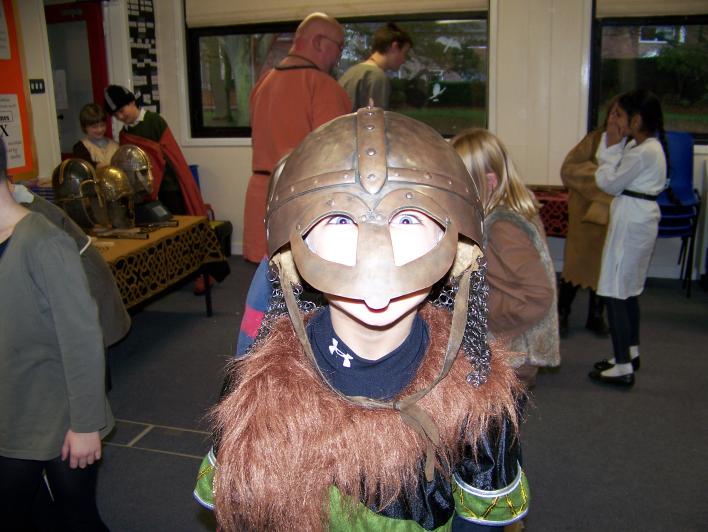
(385, 408)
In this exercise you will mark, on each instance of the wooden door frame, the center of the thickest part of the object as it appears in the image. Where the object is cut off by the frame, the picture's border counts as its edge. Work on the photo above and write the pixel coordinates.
(92, 14)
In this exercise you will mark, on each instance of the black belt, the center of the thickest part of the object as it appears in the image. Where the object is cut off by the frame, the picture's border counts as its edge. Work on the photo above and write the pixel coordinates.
(639, 195)
(261, 172)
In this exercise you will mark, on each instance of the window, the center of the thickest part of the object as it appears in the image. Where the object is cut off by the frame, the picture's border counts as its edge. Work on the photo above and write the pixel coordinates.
(443, 82)
(664, 55)
(657, 34)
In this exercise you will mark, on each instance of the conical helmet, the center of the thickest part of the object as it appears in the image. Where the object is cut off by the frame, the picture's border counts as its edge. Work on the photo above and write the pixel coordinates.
(73, 182)
(136, 165)
(117, 191)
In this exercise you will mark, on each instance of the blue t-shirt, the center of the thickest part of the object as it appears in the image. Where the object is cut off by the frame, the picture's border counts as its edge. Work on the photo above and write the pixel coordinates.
(352, 375)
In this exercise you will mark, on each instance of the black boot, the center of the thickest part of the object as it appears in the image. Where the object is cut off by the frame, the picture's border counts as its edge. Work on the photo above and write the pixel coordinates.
(566, 294)
(596, 315)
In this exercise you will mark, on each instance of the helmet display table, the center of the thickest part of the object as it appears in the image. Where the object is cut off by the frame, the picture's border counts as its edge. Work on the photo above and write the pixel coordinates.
(145, 268)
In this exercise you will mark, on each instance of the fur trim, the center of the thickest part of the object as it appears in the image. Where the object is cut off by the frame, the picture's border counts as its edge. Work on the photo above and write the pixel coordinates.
(286, 438)
(539, 343)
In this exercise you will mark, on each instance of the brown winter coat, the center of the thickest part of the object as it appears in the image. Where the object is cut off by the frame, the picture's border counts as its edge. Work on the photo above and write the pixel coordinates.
(588, 214)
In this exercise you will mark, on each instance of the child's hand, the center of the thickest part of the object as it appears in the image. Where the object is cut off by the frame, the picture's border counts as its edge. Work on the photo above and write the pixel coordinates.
(82, 448)
(614, 134)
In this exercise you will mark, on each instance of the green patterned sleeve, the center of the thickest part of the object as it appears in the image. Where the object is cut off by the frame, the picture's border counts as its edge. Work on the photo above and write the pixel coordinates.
(204, 490)
(492, 508)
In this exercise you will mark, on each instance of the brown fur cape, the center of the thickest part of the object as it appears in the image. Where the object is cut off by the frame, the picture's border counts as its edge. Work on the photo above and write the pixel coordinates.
(286, 438)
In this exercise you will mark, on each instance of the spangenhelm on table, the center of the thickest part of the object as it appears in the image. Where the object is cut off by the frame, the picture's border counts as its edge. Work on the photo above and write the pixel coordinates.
(117, 192)
(136, 165)
(369, 166)
(74, 184)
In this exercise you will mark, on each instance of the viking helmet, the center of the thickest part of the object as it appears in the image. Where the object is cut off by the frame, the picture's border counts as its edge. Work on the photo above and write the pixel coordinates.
(369, 166)
(74, 182)
(117, 192)
(136, 165)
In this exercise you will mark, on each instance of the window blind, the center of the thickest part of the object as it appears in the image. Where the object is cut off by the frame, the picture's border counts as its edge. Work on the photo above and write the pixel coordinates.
(204, 13)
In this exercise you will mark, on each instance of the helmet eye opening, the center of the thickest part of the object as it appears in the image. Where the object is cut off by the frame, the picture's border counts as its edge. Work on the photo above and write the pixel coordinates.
(413, 233)
(334, 238)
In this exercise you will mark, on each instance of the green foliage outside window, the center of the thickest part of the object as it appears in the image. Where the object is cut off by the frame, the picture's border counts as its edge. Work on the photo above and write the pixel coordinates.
(673, 63)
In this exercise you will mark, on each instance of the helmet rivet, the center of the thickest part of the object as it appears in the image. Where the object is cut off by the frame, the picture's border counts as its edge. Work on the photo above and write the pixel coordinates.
(315, 181)
(292, 189)
(369, 127)
(396, 174)
(370, 113)
(409, 195)
(371, 151)
(299, 227)
(449, 182)
(428, 176)
(447, 221)
(363, 217)
(379, 217)
(371, 176)
(345, 176)
(467, 190)
(330, 202)
(276, 197)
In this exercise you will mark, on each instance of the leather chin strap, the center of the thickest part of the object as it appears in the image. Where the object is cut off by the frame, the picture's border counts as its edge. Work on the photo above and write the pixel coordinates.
(411, 414)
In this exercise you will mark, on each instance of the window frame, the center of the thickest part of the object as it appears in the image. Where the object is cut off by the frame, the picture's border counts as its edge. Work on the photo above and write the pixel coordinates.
(596, 50)
(195, 110)
(196, 114)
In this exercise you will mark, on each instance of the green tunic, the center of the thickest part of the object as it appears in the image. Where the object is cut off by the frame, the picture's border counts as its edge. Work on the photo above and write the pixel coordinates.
(51, 348)
(364, 81)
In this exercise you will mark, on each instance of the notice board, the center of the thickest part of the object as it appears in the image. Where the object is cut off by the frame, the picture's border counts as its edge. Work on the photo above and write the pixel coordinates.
(14, 112)
(143, 53)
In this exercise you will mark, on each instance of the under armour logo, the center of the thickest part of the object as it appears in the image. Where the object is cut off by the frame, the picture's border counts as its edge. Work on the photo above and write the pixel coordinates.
(334, 350)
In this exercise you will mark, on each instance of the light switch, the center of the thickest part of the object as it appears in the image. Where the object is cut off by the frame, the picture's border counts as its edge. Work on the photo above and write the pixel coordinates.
(36, 86)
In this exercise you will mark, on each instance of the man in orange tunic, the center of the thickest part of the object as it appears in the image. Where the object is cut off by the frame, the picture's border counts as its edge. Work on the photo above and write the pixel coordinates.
(289, 102)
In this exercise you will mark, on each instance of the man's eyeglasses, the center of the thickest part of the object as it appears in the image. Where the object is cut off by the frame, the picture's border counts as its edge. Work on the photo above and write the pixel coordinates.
(340, 45)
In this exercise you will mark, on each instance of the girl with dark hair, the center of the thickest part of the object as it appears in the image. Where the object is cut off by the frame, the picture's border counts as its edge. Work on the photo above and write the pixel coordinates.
(588, 217)
(634, 171)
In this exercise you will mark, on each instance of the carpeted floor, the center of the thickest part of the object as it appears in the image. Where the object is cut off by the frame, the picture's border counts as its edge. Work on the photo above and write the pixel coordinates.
(597, 458)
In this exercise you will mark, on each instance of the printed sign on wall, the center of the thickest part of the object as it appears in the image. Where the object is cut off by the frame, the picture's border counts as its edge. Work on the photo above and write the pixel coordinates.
(14, 118)
(11, 130)
(143, 53)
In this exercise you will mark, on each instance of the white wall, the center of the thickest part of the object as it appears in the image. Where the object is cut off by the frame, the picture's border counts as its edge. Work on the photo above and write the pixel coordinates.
(37, 64)
(539, 56)
(224, 164)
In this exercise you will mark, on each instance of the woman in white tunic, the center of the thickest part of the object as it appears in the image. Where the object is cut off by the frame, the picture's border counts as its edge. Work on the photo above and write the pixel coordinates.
(634, 172)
